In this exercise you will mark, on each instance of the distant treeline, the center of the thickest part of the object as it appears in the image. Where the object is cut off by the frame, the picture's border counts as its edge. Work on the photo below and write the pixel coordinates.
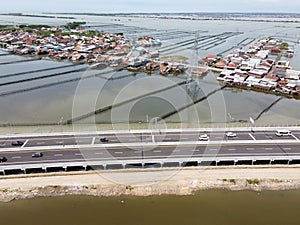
(72, 25)
(47, 32)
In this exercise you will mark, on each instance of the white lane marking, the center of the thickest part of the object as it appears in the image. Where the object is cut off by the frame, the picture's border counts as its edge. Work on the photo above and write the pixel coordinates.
(231, 149)
(287, 149)
(78, 154)
(40, 143)
(58, 155)
(295, 137)
(24, 143)
(157, 151)
(252, 136)
(93, 141)
(250, 148)
(153, 139)
(119, 152)
(137, 152)
(269, 148)
(16, 157)
(99, 153)
(59, 142)
(212, 149)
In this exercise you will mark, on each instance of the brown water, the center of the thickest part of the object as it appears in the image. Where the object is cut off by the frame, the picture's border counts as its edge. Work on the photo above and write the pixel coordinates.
(207, 207)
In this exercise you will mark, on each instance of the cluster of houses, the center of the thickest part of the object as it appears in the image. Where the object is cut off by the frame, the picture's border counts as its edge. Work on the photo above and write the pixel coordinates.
(261, 67)
(75, 45)
(111, 49)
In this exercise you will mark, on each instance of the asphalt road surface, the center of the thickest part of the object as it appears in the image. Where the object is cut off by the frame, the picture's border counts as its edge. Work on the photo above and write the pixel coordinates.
(23, 155)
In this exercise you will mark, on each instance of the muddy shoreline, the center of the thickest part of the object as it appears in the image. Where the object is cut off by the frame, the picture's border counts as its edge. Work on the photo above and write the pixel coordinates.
(149, 182)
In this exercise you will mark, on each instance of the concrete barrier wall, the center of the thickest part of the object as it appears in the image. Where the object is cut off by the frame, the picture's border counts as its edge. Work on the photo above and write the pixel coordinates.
(138, 164)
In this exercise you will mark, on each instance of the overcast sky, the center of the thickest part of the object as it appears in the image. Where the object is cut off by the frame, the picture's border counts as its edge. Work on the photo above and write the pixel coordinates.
(108, 6)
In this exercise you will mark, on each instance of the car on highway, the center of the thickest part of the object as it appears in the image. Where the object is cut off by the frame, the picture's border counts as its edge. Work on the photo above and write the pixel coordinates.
(37, 155)
(3, 159)
(204, 137)
(281, 133)
(230, 134)
(17, 143)
(103, 140)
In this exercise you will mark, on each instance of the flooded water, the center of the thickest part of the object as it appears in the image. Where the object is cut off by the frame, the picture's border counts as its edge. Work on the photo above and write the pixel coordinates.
(206, 207)
(47, 92)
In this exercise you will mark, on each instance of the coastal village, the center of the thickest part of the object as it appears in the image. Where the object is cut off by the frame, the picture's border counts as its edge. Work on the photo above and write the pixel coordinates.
(80, 46)
(261, 67)
(264, 66)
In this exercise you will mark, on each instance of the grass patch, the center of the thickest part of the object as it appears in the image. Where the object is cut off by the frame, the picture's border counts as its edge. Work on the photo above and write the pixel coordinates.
(233, 181)
(129, 187)
(253, 181)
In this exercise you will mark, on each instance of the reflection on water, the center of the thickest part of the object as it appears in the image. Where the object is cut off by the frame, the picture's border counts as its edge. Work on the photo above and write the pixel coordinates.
(206, 207)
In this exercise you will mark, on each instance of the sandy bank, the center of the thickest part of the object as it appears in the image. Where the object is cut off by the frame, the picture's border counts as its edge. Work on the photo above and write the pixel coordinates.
(149, 182)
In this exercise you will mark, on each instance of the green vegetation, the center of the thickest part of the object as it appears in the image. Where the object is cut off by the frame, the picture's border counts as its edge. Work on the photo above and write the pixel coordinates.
(254, 181)
(92, 33)
(46, 33)
(27, 28)
(129, 187)
(233, 181)
(284, 46)
(7, 28)
(38, 26)
(74, 25)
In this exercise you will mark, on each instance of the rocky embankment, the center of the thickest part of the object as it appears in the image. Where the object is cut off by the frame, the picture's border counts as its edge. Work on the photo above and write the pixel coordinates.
(147, 183)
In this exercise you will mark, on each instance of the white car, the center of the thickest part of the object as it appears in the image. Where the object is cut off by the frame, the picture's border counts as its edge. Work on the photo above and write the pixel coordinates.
(281, 133)
(204, 137)
(230, 134)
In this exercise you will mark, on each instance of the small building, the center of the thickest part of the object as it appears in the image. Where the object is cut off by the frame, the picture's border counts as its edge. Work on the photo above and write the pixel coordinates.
(283, 64)
(257, 73)
(292, 74)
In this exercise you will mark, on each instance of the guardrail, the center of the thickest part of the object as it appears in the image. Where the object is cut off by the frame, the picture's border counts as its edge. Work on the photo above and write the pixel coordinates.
(138, 131)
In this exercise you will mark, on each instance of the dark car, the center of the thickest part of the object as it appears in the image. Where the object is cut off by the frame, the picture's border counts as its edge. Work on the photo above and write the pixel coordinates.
(17, 143)
(103, 139)
(37, 155)
(3, 159)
